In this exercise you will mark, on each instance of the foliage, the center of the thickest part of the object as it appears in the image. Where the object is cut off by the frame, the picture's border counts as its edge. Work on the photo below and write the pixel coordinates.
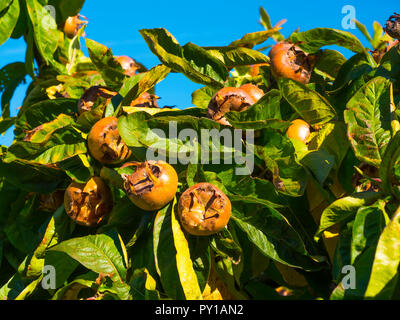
(304, 213)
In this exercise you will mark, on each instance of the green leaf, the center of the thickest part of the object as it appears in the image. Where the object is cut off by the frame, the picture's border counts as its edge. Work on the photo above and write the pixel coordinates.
(11, 76)
(12, 288)
(367, 119)
(309, 104)
(237, 56)
(64, 143)
(345, 208)
(224, 245)
(363, 30)
(203, 62)
(264, 114)
(351, 70)
(32, 177)
(44, 28)
(103, 59)
(199, 66)
(36, 114)
(288, 176)
(8, 20)
(157, 133)
(252, 39)
(144, 286)
(43, 132)
(164, 249)
(368, 226)
(391, 62)
(320, 163)
(332, 138)
(384, 273)
(201, 97)
(101, 253)
(389, 164)
(146, 82)
(271, 233)
(312, 40)
(329, 63)
(32, 267)
(66, 8)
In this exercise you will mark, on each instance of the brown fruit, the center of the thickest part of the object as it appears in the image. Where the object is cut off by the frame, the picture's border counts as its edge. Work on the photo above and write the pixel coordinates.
(299, 130)
(392, 27)
(145, 100)
(91, 97)
(152, 185)
(128, 64)
(72, 25)
(88, 203)
(255, 92)
(289, 61)
(204, 209)
(228, 99)
(105, 144)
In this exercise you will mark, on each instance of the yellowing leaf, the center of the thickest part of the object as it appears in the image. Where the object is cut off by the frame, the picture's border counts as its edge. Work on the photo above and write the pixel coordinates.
(184, 263)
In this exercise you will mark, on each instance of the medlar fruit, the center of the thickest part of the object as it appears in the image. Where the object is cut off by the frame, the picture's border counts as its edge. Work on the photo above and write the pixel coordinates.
(255, 92)
(152, 185)
(392, 27)
(203, 209)
(88, 203)
(145, 100)
(128, 64)
(92, 95)
(289, 61)
(228, 99)
(72, 25)
(105, 144)
(299, 130)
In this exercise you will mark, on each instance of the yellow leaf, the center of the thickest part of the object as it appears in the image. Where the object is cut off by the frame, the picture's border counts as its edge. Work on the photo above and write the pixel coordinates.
(184, 263)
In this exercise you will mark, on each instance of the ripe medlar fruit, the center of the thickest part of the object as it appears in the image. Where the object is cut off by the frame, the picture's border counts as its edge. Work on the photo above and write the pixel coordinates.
(92, 95)
(255, 92)
(228, 99)
(289, 61)
(145, 100)
(105, 144)
(299, 130)
(152, 185)
(128, 64)
(88, 203)
(72, 25)
(203, 209)
(392, 27)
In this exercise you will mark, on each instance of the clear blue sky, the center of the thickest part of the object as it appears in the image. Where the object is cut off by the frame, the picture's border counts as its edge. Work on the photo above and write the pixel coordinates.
(205, 23)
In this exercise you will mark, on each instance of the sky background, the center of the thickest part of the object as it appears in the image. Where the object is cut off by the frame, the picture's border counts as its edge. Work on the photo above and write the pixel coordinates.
(206, 23)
